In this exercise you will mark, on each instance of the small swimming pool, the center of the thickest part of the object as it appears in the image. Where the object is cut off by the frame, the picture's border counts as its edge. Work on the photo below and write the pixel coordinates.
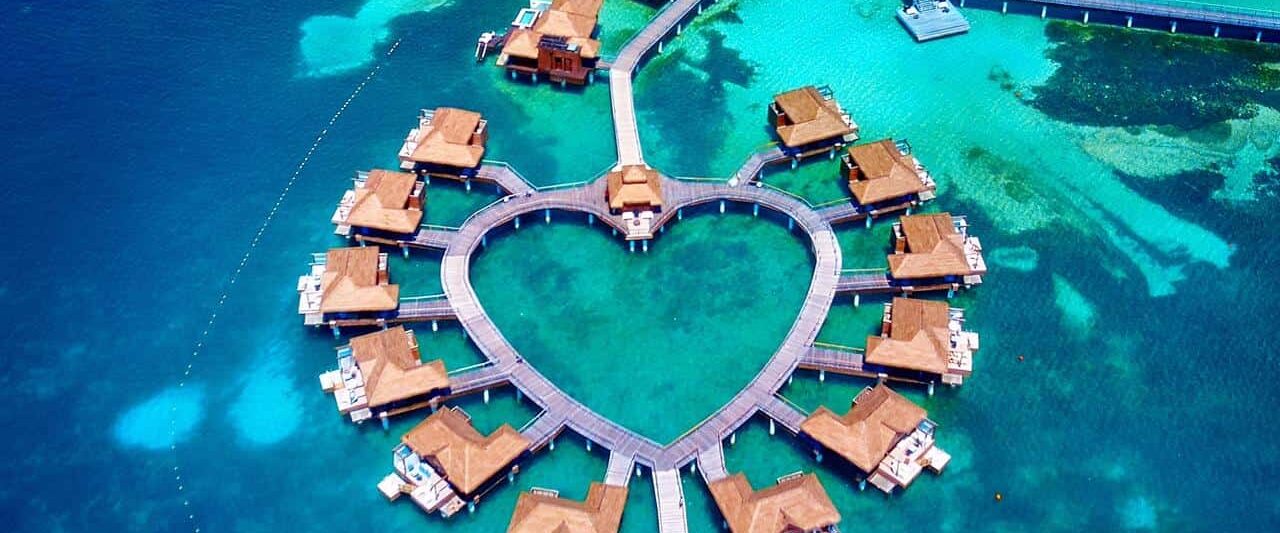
(525, 18)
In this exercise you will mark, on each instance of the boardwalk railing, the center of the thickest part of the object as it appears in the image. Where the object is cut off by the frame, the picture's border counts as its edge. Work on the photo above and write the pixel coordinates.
(424, 298)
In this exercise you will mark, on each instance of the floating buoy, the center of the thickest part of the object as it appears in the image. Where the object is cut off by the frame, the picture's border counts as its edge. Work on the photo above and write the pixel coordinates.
(999, 497)
(1021, 358)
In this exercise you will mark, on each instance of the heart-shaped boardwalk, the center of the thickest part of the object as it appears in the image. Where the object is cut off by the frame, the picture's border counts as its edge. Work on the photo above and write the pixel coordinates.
(702, 443)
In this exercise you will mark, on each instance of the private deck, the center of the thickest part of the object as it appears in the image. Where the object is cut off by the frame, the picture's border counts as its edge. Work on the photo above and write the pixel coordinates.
(932, 19)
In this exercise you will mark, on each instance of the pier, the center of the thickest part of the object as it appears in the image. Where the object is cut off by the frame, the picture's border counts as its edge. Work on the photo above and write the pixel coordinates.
(625, 132)
(669, 494)
(1203, 18)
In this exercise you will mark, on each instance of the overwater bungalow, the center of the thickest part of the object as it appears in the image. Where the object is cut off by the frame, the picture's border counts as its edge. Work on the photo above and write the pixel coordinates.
(543, 511)
(447, 447)
(635, 191)
(347, 283)
(935, 252)
(809, 121)
(382, 374)
(555, 40)
(924, 340)
(798, 503)
(884, 435)
(381, 204)
(884, 177)
(448, 143)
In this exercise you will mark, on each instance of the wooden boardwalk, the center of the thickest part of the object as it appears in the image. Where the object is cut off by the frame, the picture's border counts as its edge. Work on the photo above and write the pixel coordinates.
(455, 278)
(505, 177)
(625, 131)
(783, 412)
(711, 463)
(864, 282)
(669, 494)
(618, 473)
(476, 379)
(410, 310)
(1252, 19)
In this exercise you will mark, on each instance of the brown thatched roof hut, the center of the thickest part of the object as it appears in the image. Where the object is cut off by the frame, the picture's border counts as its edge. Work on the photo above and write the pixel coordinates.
(878, 419)
(796, 503)
(539, 512)
(392, 367)
(355, 281)
(464, 457)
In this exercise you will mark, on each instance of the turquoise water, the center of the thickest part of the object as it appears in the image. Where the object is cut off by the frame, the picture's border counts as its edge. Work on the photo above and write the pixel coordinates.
(1127, 267)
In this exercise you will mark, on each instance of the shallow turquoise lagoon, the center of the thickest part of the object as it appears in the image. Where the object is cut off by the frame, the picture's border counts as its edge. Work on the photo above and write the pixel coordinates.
(1129, 267)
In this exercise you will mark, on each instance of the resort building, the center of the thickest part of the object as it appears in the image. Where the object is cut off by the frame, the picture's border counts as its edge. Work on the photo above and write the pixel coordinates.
(448, 142)
(447, 446)
(346, 282)
(543, 510)
(381, 202)
(382, 374)
(935, 252)
(884, 435)
(554, 39)
(798, 503)
(922, 339)
(884, 177)
(809, 121)
(635, 191)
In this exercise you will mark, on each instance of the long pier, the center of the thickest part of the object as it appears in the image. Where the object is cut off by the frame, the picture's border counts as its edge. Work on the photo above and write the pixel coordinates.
(669, 20)
(1239, 22)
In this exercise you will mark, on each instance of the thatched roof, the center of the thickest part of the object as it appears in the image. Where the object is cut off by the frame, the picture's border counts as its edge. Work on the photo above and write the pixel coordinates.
(634, 186)
(810, 117)
(796, 504)
(586, 8)
(465, 458)
(601, 512)
(558, 23)
(522, 42)
(383, 203)
(934, 248)
(871, 428)
(392, 368)
(447, 140)
(352, 282)
(885, 173)
(917, 337)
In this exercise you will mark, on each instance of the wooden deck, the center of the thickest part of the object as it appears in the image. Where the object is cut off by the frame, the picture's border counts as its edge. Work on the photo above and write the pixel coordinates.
(410, 310)
(618, 473)
(505, 177)
(711, 463)
(476, 380)
(784, 413)
(621, 68)
(669, 494)
(1253, 19)
(864, 282)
